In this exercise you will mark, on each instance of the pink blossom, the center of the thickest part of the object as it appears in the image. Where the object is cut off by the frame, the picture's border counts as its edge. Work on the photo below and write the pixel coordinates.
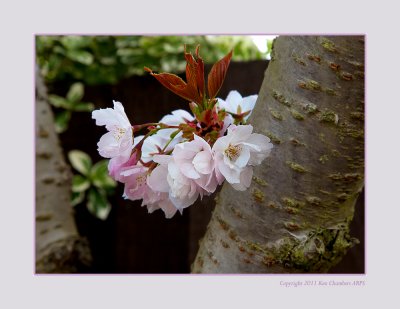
(136, 188)
(118, 142)
(235, 153)
(134, 178)
(195, 161)
(186, 174)
(167, 178)
(163, 202)
(117, 164)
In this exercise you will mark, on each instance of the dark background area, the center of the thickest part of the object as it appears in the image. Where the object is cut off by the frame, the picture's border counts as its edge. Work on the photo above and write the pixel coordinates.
(133, 241)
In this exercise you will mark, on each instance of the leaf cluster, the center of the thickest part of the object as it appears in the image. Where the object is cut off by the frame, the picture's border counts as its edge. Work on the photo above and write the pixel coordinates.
(92, 184)
(66, 106)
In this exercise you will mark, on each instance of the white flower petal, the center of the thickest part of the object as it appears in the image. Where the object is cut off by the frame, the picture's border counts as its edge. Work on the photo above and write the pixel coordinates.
(243, 158)
(173, 170)
(157, 180)
(124, 120)
(170, 120)
(220, 178)
(162, 159)
(164, 135)
(245, 179)
(232, 128)
(252, 147)
(109, 118)
(108, 146)
(202, 144)
(202, 162)
(228, 162)
(102, 116)
(259, 140)
(208, 182)
(118, 107)
(112, 118)
(260, 148)
(221, 104)
(151, 207)
(256, 158)
(222, 143)
(241, 133)
(188, 170)
(183, 114)
(232, 175)
(137, 140)
(194, 189)
(181, 203)
(178, 116)
(125, 141)
(132, 170)
(228, 120)
(248, 103)
(168, 207)
(233, 100)
(183, 152)
(149, 147)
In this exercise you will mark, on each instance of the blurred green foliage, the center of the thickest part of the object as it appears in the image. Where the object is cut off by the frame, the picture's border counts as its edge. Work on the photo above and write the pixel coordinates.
(66, 106)
(92, 184)
(98, 60)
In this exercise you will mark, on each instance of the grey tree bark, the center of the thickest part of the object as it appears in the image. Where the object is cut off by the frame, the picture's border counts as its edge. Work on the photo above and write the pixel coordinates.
(295, 216)
(59, 249)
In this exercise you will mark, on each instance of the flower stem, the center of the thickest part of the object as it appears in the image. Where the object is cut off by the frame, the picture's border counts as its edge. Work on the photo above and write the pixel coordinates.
(173, 135)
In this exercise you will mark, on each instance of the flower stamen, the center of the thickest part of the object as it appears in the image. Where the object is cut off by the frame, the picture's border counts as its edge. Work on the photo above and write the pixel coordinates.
(233, 151)
(141, 180)
(118, 133)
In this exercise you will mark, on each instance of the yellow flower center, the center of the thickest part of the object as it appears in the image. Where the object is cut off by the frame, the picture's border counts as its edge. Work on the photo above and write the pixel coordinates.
(141, 179)
(118, 133)
(233, 151)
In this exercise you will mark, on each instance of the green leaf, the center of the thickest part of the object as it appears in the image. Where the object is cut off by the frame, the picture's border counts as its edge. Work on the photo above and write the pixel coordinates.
(99, 175)
(61, 121)
(75, 41)
(77, 198)
(59, 102)
(108, 60)
(80, 56)
(80, 161)
(75, 93)
(83, 107)
(80, 183)
(97, 204)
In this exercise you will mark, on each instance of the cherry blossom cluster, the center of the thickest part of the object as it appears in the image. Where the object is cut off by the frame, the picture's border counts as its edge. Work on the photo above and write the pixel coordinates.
(184, 156)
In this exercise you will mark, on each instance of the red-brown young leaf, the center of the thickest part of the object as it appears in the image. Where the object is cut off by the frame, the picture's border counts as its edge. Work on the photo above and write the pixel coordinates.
(200, 71)
(176, 84)
(191, 79)
(217, 75)
(195, 74)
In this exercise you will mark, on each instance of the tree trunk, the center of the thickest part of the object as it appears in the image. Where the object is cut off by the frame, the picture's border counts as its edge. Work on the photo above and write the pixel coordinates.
(295, 216)
(59, 249)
